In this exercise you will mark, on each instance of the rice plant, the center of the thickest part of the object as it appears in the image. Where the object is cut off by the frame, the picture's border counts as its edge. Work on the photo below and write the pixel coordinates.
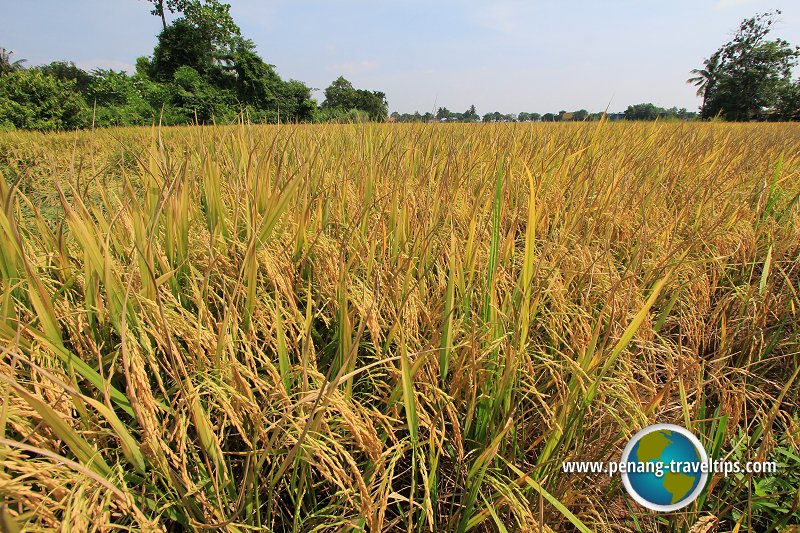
(369, 327)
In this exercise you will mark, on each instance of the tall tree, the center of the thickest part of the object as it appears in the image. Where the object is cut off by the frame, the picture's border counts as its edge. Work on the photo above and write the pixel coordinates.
(705, 78)
(746, 77)
(159, 11)
(211, 16)
(6, 65)
(205, 37)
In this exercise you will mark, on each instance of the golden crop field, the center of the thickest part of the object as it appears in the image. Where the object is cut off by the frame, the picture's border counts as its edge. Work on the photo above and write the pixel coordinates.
(369, 327)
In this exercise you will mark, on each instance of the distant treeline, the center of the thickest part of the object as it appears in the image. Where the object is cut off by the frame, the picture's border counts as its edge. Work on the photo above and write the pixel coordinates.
(634, 112)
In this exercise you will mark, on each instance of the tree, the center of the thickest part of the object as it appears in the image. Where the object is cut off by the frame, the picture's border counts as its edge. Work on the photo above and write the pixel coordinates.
(343, 96)
(144, 66)
(294, 102)
(746, 78)
(789, 102)
(213, 72)
(340, 93)
(6, 65)
(529, 117)
(203, 38)
(259, 86)
(471, 115)
(159, 11)
(256, 81)
(642, 112)
(211, 15)
(181, 44)
(705, 78)
(374, 103)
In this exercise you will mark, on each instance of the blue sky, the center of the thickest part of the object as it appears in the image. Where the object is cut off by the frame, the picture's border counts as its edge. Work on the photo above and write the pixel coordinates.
(505, 55)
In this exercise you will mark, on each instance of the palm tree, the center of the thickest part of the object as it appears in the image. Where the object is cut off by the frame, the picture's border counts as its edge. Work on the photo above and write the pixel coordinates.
(6, 65)
(705, 79)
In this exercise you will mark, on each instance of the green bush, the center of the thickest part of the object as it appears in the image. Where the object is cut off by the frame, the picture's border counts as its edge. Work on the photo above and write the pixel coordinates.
(30, 99)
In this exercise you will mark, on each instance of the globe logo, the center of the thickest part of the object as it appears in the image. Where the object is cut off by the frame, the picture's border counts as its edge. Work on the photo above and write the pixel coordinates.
(664, 467)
